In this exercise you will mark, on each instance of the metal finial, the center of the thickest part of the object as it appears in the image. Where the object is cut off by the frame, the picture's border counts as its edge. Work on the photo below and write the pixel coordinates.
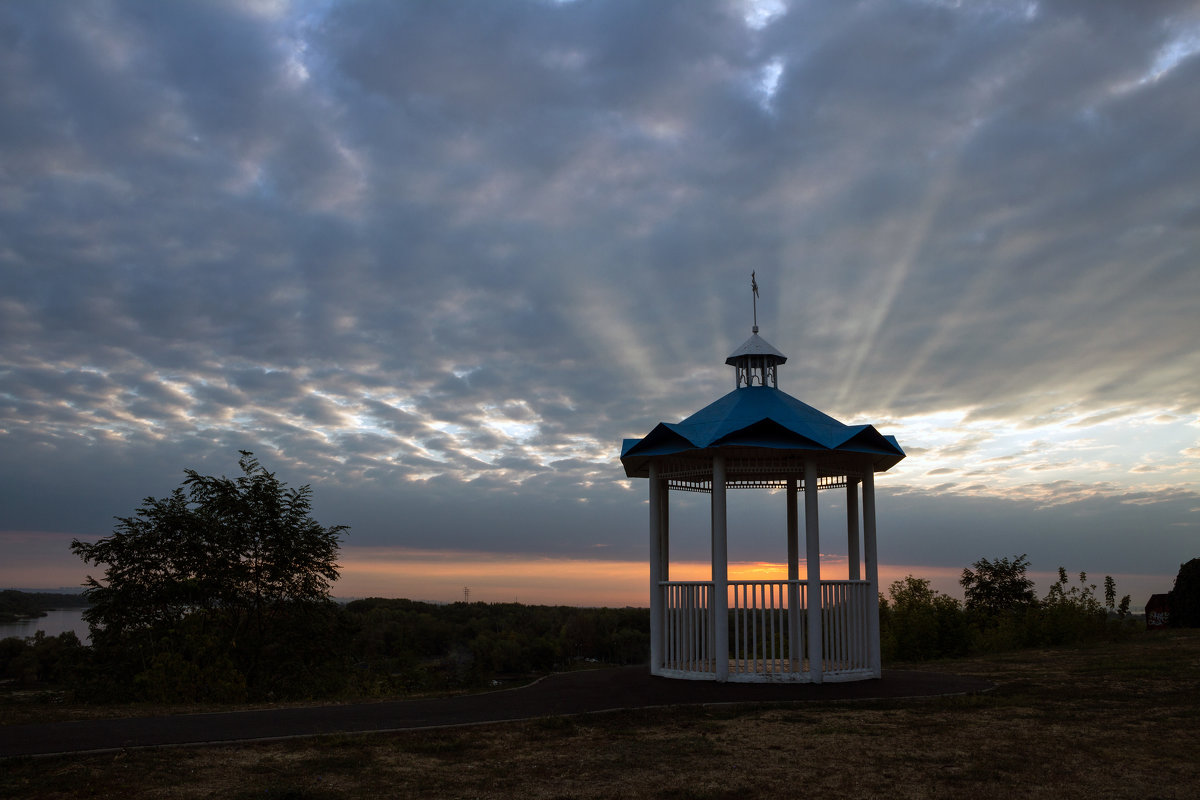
(754, 293)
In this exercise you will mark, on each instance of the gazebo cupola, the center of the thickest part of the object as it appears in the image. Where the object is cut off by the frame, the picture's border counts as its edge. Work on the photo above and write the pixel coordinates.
(759, 437)
(755, 363)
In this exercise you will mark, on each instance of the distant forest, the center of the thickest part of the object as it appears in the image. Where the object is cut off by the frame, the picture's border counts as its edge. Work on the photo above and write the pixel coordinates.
(368, 647)
(16, 605)
(378, 647)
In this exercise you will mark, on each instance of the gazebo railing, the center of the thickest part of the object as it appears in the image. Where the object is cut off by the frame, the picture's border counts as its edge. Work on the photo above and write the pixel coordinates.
(762, 638)
(845, 626)
(767, 641)
(687, 637)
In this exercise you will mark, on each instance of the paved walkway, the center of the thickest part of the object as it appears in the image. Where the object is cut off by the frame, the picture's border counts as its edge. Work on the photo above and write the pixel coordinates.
(566, 693)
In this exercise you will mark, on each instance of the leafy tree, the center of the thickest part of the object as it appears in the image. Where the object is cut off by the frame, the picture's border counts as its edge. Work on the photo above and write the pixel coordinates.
(209, 575)
(996, 587)
(1185, 597)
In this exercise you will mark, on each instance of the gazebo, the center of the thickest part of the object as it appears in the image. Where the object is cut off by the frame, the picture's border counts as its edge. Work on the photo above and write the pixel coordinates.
(758, 437)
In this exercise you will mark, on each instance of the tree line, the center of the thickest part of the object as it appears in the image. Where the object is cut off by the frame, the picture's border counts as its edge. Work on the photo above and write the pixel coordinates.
(365, 648)
(220, 592)
(1000, 611)
(16, 605)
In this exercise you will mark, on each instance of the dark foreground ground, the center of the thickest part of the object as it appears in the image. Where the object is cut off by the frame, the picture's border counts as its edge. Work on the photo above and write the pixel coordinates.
(562, 694)
(1114, 719)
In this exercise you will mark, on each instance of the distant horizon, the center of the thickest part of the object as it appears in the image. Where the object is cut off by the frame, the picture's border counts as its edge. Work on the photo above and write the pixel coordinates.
(354, 585)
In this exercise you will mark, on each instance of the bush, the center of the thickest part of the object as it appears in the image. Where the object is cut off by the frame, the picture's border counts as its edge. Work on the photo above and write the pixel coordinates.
(920, 623)
(192, 675)
(1002, 613)
(41, 659)
(409, 645)
(1068, 613)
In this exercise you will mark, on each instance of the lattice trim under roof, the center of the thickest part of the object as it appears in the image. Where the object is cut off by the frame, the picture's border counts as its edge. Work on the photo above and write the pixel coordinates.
(753, 469)
(704, 486)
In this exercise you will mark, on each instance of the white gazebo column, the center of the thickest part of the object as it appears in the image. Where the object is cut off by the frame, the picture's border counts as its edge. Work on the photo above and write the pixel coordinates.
(795, 653)
(812, 537)
(657, 501)
(872, 559)
(719, 605)
(664, 531)
(852, 552)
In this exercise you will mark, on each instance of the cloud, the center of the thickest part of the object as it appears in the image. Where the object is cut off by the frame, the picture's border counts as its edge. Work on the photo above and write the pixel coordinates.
(438, 263)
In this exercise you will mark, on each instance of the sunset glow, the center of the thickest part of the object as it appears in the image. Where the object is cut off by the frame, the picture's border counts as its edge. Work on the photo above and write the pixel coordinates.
(438, 265)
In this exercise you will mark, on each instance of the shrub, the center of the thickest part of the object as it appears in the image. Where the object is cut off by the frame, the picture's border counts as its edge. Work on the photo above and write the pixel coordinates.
(1070, 613)
(920, 623)
(41, 659)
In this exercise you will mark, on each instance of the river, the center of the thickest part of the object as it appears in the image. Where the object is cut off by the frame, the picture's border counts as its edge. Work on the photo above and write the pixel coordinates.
(56, 621)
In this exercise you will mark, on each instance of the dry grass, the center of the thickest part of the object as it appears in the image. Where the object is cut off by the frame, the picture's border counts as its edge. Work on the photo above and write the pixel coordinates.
(1112, 720)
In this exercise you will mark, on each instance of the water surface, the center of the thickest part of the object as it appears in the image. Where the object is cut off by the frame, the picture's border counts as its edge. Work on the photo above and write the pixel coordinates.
(56, 621)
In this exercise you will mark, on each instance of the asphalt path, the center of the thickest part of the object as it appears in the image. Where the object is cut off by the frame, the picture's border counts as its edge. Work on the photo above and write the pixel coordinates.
(562, 694)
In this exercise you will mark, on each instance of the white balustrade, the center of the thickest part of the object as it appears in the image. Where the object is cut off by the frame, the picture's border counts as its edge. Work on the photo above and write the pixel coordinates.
(767, 630)
(844, 617)
(761, 640)
(688, 626)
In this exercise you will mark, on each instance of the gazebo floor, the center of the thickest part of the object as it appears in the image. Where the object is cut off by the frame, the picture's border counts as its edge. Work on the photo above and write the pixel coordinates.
(782, 670)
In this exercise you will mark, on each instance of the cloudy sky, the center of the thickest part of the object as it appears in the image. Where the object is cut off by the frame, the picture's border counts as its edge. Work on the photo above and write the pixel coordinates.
(438, 259)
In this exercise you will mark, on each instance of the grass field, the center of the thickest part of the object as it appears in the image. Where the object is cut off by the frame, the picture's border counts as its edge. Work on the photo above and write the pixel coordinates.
(1106, 720)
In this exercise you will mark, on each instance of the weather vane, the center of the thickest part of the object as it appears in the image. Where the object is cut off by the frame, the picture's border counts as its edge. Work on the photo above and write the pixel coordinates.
(754, 298)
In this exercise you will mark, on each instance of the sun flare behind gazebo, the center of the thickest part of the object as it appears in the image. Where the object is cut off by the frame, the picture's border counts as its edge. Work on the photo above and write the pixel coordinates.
(758, 437)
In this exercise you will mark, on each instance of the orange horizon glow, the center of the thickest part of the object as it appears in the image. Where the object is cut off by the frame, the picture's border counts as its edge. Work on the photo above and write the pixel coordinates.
(438, 576)
(441, 576)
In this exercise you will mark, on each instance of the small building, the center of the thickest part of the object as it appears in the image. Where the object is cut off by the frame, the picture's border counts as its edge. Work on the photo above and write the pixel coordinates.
(1158, 612)
(758, 437)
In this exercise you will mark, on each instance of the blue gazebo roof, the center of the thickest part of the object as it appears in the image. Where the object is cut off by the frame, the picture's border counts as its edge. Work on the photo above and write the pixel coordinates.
(761, 417)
